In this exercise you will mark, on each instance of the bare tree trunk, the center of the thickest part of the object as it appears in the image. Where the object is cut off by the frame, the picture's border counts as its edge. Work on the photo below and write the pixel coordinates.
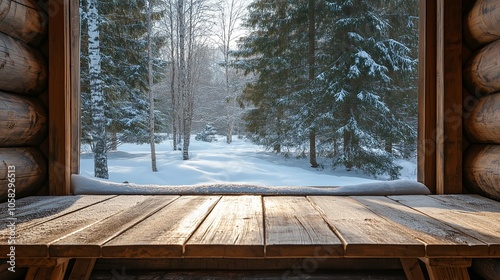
(183, 80)
(173, 92)
(150, 89)
(229, 13)
(312, 60)
(97, 96)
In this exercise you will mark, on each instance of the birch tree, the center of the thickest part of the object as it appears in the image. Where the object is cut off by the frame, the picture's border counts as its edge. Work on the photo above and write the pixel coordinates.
(97, 98)
(186, 24)
(150, 88)
(229, 13)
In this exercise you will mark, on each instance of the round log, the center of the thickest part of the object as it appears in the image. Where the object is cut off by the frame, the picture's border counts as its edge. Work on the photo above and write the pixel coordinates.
(23, 121)
(482, 123)
(24, 20)
(482, 25)
(482, 71)
(482, 170)
(22, 68)
(29, 169)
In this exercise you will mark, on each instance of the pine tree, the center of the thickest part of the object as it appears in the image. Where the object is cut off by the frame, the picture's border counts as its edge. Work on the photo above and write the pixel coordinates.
(334, 73)
(361, 82)
(265, 52)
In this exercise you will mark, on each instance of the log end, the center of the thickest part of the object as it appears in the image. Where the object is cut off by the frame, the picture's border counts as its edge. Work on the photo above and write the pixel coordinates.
(482, 170)
(23, 171)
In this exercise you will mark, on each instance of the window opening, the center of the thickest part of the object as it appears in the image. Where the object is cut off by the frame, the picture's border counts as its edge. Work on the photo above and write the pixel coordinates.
(260, 92)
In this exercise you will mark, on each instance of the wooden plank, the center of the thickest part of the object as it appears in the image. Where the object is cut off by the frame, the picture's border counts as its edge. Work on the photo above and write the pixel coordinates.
(164, 233)
(82, 269)
(426, 155)
(294, 227)
(440, 239)
(448, 262)
(299, 264)
(34, 241)
(473, 202)
(59, 97)
(234, 228)
(32, 211)
(40, 262)
(481, 224)
(412, 269)
(88, 242)
(364, 233)
(75, 86)
(449, 97)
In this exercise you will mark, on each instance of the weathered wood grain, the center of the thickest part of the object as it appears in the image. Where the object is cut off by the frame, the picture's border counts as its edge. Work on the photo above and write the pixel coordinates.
(481, 225)
(482, 123)
(88, 242)
(164, 233)
(30, 171)
(412, 269)
(59, 140)
(23, 121)
(482, 23)
(24, 20)
(34, 241)
(22, 68)
(426, 156)
(294, 227)
(449, 132)
(82, 269)
(35, 210)
(481, 73)
(234, 228)
(440, 239)
(482, 170)
(364, 233)
(300, 264)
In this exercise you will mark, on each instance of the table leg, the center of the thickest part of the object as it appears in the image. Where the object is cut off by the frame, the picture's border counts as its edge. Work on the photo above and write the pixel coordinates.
(444, 269)
(412, 269)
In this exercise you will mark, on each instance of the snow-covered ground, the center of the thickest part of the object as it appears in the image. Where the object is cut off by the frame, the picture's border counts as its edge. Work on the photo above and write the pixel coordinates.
(217, 162)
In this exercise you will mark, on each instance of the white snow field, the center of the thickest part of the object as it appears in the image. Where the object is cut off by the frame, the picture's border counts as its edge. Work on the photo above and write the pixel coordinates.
(240, 166)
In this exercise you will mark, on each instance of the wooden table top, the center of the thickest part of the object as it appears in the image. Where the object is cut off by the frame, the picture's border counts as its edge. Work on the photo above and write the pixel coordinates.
(253, 226)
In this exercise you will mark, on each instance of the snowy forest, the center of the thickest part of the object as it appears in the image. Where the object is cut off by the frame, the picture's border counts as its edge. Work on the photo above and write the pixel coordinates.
(328, 80)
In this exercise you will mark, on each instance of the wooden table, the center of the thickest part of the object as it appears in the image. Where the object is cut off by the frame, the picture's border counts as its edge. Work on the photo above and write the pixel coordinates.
(445, 232)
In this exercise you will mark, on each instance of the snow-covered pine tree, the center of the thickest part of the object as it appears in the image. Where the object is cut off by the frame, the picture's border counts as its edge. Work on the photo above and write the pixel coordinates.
(368, 57)
(284, 49)
(267, 52)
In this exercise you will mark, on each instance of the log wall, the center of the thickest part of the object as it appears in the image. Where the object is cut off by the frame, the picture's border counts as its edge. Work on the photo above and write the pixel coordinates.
(23, 81)
(481, 117)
